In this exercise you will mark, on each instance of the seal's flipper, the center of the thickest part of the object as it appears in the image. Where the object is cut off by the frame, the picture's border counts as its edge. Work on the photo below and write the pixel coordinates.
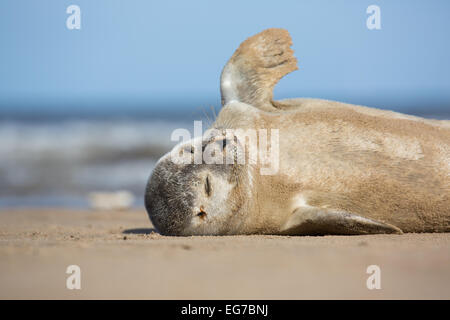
(256, 66)
(318, 221)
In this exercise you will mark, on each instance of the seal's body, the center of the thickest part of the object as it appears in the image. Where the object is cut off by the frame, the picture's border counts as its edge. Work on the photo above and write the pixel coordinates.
(378, 164)
(342, 169)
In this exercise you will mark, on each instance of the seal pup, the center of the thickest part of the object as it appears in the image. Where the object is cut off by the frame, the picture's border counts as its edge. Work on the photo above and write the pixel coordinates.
(343, 169)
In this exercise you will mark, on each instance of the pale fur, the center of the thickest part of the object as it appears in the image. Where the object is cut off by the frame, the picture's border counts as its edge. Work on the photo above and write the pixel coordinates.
(383, 170)
(376, 164)
(256, 66)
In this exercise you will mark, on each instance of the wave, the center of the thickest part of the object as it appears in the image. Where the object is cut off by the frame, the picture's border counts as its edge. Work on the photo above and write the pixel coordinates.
(58, 160)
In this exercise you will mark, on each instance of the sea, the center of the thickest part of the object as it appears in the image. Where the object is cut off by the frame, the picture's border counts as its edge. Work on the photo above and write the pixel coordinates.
(57, 161)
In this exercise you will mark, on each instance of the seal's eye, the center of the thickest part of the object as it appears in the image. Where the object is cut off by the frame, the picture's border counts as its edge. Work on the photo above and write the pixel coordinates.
(224, 143)
(207, 187)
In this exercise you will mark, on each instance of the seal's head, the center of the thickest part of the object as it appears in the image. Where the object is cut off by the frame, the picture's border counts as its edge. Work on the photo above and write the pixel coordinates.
(204, 198)
(194, 199)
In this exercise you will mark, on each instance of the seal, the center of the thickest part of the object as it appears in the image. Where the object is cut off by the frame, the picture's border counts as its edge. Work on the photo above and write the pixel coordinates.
(340, 168)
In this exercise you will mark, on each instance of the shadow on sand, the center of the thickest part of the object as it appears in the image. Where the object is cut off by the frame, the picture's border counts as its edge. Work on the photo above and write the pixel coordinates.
(140, 231)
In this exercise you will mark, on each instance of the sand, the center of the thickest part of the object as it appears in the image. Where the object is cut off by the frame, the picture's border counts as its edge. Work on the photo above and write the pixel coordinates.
(121, 256)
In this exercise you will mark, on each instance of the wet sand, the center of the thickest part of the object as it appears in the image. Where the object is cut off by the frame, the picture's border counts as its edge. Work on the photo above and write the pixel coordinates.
(121, 256)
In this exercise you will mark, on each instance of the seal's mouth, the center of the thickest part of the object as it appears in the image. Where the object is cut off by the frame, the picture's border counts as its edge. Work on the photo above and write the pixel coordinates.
(202, 214)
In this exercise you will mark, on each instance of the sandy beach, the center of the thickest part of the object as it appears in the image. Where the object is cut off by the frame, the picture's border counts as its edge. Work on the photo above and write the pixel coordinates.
(121, 256)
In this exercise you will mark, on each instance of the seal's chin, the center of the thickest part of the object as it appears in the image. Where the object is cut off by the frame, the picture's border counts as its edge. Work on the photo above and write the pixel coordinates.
(207, 226)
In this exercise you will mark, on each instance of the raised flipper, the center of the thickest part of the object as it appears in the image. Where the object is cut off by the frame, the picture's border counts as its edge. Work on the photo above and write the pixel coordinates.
(255, 67)
(318, 221)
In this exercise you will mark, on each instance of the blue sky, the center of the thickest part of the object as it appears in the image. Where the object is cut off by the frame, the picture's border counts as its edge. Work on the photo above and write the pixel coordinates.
(169, 54)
